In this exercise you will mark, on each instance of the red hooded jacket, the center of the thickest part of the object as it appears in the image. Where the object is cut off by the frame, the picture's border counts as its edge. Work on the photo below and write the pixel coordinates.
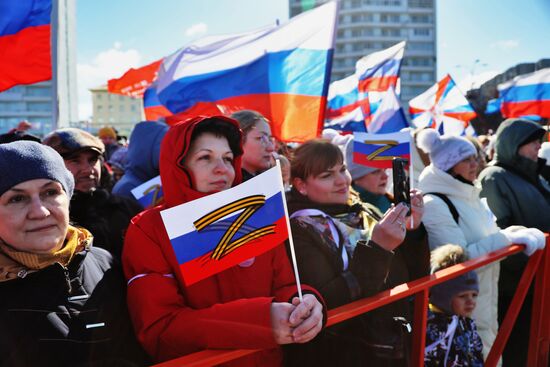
(230, 310)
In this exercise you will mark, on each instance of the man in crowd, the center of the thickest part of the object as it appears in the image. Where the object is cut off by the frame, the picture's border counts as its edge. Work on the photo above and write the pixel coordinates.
(106, 215)
(517, 196)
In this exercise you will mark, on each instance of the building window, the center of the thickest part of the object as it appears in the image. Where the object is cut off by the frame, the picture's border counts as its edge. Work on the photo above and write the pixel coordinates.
(12, 106)
(421, 3)
(39, 106)
(422, 32)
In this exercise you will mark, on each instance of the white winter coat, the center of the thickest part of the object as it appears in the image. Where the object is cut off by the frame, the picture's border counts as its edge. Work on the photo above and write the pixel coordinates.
(476, 232)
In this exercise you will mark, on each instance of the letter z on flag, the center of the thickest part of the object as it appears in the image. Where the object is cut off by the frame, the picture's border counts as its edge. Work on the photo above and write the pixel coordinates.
(221, 230)
(378, 150)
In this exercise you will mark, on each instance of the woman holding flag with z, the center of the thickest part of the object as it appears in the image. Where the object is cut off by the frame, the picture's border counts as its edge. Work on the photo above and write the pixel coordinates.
(250, 305)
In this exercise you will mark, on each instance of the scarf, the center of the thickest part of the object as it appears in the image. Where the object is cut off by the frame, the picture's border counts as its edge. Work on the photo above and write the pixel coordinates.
(17, 264)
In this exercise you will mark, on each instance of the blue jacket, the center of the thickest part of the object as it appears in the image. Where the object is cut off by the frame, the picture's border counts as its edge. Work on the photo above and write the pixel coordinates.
(143, 156)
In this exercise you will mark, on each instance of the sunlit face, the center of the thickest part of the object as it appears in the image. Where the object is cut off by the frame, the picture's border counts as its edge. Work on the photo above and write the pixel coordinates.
(530, 150)
(464, 303)
(34, 216)
(258, 149)
(374, 182)
(86, 169)
(210, 162)
(328, 187)
(467, 168)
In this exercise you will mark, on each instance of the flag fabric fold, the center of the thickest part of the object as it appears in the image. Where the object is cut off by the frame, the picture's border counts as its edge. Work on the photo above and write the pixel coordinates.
(25, 42)
(152, 107)
(442, 107)
(134, 82)
(280, 71)
(221, 230)
(527, 95)
(352, 100)
(389, 116)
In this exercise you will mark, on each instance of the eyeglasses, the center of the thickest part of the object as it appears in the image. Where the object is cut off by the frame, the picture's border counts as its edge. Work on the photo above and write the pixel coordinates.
(265, 139)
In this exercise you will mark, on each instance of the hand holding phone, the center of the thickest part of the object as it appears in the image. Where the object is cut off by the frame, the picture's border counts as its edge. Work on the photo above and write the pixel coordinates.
(401, 187)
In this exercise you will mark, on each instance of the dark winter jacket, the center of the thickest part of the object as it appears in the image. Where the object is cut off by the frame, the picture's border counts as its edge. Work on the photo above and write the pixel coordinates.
(142, 158)
(371, 269)
(104, 214)
(74, 316)
(452, 341)
(514, 192)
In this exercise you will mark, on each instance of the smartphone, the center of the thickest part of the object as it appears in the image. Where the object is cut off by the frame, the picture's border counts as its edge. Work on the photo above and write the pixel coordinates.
(401, 187)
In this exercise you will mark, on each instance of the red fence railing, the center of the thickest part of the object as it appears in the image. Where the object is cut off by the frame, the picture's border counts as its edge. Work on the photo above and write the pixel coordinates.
(538, 268)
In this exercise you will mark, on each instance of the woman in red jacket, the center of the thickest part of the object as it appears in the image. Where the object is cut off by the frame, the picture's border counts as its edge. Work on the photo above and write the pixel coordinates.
(251, 305)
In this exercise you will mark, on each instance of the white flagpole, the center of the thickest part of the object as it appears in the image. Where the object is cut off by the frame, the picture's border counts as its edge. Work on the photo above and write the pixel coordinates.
(411, 170)
(290, 240)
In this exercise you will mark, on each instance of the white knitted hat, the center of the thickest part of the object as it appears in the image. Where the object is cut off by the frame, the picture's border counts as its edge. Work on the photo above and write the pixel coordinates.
(444, 151)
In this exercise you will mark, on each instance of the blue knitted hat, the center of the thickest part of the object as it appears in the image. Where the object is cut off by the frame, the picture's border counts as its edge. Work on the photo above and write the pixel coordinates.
(22, 161)
(441, 295)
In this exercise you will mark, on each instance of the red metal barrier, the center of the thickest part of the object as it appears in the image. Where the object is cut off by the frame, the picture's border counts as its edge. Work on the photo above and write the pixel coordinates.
(538, 267)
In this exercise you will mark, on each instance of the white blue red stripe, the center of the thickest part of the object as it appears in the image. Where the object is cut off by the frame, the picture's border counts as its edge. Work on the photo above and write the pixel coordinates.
(527, 95)
(280, 71)
(25, 39)
(149, 193)
(353, 100)
(378, 150)
(442, 107)
(196, 241)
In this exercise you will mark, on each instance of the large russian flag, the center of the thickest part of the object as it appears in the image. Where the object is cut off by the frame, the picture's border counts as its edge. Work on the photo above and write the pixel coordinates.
(527, 95)
(352, 100)
(25, 44)
(442, 107)
(279, 71)
(378, 150)
(134, 82)
(221, 230)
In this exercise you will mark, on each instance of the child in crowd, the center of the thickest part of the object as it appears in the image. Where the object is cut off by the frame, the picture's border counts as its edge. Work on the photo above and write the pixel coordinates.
(451, 334)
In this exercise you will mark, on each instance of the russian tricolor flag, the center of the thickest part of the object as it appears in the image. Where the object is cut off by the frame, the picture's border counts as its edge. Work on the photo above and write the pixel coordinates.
(527, 95)
(378, 150)
(389, 116)
(152, 107)
(442, 107)
(221, 230)
(279, 71)
(25, 44)
(352, 100)
(149, 194)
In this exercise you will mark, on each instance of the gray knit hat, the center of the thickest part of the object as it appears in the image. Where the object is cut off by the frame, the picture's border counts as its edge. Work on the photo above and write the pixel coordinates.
(444, 151)
(356, 170)
(22, 161)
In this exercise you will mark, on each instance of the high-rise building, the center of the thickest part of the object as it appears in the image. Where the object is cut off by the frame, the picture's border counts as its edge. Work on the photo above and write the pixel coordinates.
(36, 103)
(121, 112)
(366, 26)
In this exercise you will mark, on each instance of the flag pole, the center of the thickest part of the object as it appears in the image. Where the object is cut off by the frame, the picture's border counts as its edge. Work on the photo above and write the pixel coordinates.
(411, 170)
(290, 240)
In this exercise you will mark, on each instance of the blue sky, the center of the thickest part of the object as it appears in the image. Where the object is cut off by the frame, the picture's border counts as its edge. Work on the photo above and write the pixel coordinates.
(113, 35)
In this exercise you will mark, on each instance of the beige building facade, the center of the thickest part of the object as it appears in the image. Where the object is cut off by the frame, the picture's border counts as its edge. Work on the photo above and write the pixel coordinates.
(116, 110)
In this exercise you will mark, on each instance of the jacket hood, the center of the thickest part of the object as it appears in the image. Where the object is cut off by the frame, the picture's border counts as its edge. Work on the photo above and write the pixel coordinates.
(144, 150)
(510, 136)
(177, 182)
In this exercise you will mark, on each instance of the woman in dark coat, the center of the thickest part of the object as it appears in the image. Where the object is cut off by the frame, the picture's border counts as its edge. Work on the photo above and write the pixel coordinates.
(347, 254)
(63, 300)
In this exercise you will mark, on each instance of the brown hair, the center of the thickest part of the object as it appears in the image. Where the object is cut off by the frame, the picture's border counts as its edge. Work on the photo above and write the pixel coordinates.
(247, 119)
(315, 157)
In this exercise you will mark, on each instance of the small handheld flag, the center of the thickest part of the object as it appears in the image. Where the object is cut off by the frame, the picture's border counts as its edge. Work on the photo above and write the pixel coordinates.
(378, 150)
(149, 194)
(221, 230)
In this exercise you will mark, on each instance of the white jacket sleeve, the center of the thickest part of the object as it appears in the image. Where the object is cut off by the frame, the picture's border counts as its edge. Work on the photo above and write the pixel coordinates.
(442, 229)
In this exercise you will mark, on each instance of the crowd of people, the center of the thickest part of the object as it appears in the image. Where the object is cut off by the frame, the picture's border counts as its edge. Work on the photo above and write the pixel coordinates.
(88, 277)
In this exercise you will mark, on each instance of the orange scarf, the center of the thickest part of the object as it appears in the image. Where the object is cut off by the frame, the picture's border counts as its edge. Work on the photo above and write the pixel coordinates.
(17, 264)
